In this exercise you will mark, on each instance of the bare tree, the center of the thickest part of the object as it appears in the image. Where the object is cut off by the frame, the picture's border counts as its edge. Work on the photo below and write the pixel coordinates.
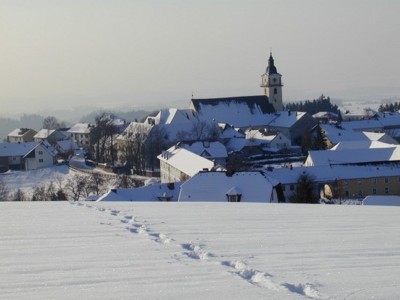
(133, 151)
(102, 139)
(205, 131)
(19, 195)
(4, 192)
(96, 183)
(51, 122)
(76, 186)
(125, 181)
(39, 193)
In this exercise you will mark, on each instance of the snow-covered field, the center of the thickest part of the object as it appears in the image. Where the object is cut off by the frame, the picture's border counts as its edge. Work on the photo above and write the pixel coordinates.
(61, 250)
(28, 180)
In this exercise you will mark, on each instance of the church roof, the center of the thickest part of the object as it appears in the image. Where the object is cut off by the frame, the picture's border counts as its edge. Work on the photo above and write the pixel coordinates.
(240, 111)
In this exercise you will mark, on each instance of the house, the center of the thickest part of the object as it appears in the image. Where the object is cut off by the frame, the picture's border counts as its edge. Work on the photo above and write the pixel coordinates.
(353, 156)
(21, 135)
(228, 132)
(214, 151)
(26, 156)
(153, 192)
(66, 148)
(222, 187)
(335, 134)
(294, 125)
(80, 134)
(271, 142)
(178, 164)
(342, 181)
(50, 135)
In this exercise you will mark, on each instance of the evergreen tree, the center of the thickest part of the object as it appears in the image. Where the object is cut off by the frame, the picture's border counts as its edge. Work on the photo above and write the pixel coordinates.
(305, 190)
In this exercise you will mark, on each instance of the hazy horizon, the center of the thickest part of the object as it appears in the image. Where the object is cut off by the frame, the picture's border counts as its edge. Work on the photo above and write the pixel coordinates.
(107, 54)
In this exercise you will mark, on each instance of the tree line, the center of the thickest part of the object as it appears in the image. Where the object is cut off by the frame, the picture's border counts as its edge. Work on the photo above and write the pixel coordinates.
(389, 107)
(311, 107)
(77, 187)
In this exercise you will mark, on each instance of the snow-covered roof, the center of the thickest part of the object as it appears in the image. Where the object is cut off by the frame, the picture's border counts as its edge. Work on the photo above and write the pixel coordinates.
(214, 186)
(363, 125)
(338, 134)
(185, 160)
(175, 115)
(325, 114)
(206, 149)
(381, 137)
(390, 119)
(19, 132)
(257, 137)
(16, 149)
(286, 119)
(22, 149)
(360, 145)
(67, 145)
(146, 193)
(334, 172)
(83, 128)
(135, 128)
(43, 133)
(228, 132)
(237, 111)
(382, 200)
(236, 144)
(353, 156)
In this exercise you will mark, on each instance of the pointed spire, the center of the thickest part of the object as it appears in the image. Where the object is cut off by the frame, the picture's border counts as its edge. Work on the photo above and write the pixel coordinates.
(271, 69)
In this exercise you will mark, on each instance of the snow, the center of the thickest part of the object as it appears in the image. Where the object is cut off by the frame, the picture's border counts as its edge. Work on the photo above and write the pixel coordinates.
(382, 200)
(28, 180)
(179, 157)
(198, 251)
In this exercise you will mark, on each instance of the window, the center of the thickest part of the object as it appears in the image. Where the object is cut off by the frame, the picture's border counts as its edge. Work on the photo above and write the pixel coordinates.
(346, 193)
(14, 158)
(292, 187)
(234, 198)
(386, 180)
(275, 91)
(41, 160)
(386, 190)
(374, 191)
(359, 194)
(373, 180)
(40, 152)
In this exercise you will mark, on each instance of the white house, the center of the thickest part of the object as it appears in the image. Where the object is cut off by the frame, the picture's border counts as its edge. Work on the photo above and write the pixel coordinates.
(50, 135)
(269, 141)
(214, 151)
(26, 156)
(21, 135)
(353, 156)
(153, 192)
(178, 164)
(223, 187)
(80, 133)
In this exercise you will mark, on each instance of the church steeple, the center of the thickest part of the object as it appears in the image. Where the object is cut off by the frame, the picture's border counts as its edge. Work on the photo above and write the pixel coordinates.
(271, 69)
(272, 84)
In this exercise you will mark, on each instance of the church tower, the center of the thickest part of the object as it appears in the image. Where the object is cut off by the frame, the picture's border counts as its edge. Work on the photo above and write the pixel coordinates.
(271, 84)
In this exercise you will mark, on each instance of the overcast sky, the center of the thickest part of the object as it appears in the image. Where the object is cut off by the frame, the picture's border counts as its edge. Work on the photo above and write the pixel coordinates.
(114, 53)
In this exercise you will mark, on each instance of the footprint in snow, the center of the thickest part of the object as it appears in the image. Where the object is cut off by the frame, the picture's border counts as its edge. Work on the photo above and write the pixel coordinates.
(195, 251)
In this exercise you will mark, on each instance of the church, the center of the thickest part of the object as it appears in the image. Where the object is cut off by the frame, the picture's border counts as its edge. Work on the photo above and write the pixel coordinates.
(245, 111)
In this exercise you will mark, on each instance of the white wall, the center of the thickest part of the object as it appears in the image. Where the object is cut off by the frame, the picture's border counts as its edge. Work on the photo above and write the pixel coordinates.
(42, 159)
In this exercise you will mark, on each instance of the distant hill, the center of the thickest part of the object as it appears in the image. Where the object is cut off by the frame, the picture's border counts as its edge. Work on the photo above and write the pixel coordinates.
(129, 116)
(28, 121)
